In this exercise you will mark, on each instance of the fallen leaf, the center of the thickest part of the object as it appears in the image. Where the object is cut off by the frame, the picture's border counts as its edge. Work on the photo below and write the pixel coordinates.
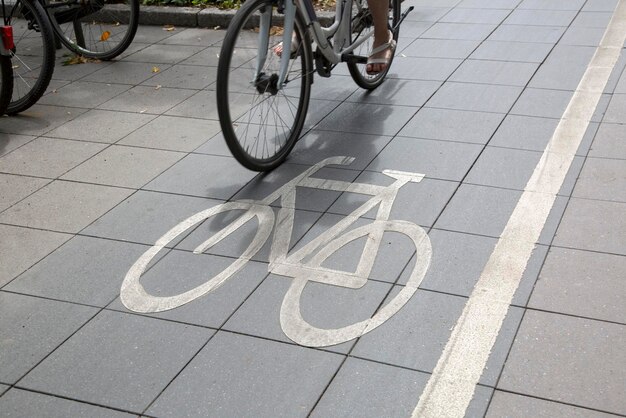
(217, 28)
(79, 59)
(105, 35)
(155, 69)
(143, 111)
(157, 87)
(169, 28)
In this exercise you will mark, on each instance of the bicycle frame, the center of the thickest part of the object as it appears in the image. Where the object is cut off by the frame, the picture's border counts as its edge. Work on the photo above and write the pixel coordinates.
(340, 31)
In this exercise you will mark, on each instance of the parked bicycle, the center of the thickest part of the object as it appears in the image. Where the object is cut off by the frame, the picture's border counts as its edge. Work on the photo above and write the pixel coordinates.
(6, 69)
(304, 265)
(262, 96)
(100, 29)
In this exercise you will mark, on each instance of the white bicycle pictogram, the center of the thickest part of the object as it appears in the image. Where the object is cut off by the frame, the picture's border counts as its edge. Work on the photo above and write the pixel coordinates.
(281, 262)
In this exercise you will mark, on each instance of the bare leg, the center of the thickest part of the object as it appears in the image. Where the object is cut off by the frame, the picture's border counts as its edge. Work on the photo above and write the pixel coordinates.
(379, 9)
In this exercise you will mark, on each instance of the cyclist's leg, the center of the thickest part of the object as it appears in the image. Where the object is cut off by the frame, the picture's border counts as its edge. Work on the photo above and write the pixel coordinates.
(382, 38)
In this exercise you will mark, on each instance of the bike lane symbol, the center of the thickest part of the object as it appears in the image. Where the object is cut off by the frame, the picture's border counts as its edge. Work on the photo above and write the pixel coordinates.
(293, 265)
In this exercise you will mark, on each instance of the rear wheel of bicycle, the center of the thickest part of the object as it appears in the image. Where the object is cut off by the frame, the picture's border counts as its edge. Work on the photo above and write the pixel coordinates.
(6, 83)
(33, 56)
(100, 29)
(261, 122)
(363, 24)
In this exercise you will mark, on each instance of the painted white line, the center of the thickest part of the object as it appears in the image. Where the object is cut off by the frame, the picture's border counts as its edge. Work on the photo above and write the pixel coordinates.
(452, 384)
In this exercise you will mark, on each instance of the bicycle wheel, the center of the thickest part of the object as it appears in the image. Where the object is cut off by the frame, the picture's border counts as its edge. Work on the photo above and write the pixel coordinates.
(363, 24)
(100, 29)
(134, 295)
(303, 333)
(6, 83)
(33, 55)
(260, 122)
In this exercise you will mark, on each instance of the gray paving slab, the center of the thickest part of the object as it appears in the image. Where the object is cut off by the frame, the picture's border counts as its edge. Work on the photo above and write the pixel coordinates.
(599, 6)
(583, 36)
(436, 159)
(32, 329)
(63, 70)
(16, 239)
(552, 5)
(332, 88)
(440, 48)
(479, 210)
(527, 33)
(419, 203)
(146, 99)
(40, 119)
(201, 105)
(367, 118)
(464, 31)
(593, 225)
(541, 17)
(582, 283)
(318, 145)
(146, 216)
(82, 128)
(84, 270)
(475, 97)
(184, 77)
(64, 206)
(429, 12)
(609, 142)
(468, 15)
(495, 4)
(124, 166)
(452, 125)
(128, 72)
(14, 188)
(205, 168)
(83, 94)
(279, 379)
(494, 72)
(3, 388)
(512, 51)
(164, 54)
(431, 317)
(216, 145)
(172, 133)
(10, 142)
(48, 157)
(542, 103)
(602, 179)
(517, 406)
(419, 68)
(503, 167)
(563, 68)
(195, 36)
(179, 271)
(397, 92)
(20, 403)
(331, 306)
(153, 34)
(615, 112)
(365, 388)
(591, 20)
(134, 358)
(559, 358)
(207, 57)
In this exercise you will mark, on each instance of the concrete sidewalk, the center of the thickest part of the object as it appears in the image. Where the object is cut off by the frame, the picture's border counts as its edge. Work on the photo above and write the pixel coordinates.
(117, 153)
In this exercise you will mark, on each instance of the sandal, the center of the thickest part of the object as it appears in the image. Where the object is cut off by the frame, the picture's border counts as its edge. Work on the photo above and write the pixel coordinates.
(391, 45)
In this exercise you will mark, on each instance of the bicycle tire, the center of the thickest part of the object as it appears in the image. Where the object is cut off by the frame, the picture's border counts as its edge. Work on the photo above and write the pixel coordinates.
(134, 296)
(260, 123)
(6, 83)
(362, 20)
(99, 29)
(298, 330)
(33, 55)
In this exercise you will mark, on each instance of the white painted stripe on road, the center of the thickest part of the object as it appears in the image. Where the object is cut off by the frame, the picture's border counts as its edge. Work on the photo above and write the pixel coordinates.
(451, 386)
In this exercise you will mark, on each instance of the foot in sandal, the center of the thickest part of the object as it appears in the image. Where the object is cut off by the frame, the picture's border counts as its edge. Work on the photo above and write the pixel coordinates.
(381, 56)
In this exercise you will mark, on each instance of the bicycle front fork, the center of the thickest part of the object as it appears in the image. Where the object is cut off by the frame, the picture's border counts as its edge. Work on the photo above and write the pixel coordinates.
(264, 36)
